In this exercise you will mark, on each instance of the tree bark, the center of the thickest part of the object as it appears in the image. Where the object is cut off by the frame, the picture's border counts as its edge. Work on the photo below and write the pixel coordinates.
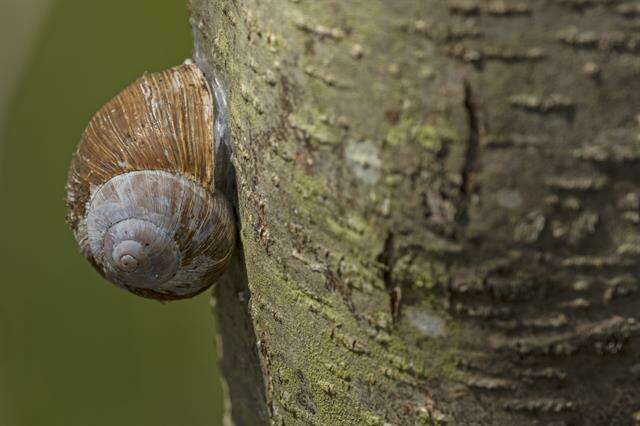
(439, 206)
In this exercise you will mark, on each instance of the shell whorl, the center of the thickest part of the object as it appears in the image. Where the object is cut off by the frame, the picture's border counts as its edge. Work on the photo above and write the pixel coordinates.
(141, 196)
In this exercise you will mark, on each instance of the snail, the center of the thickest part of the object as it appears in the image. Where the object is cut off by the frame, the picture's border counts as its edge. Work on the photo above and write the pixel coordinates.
(141, 197)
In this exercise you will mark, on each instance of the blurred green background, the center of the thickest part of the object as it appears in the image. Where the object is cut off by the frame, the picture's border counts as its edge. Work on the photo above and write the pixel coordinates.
(74, 350)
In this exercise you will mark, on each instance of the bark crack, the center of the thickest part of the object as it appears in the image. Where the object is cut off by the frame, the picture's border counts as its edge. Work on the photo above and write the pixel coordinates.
(469, 168)
(387, 258)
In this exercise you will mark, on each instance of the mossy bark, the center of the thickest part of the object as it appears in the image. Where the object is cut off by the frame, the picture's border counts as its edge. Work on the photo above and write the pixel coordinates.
(439, 206)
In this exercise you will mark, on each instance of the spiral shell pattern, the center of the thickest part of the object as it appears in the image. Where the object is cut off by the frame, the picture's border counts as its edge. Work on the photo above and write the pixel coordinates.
(141, 194)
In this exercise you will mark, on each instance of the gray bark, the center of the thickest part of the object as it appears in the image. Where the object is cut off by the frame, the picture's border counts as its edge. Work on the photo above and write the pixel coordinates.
(439, 205)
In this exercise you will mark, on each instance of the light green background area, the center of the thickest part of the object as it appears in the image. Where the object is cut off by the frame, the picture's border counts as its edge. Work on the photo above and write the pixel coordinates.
(74, 350)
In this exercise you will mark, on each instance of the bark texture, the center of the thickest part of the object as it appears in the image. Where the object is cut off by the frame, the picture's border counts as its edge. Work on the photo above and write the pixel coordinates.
(439, 206)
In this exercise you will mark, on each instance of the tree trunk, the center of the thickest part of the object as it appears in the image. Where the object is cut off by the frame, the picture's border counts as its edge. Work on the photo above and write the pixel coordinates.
(439, 206)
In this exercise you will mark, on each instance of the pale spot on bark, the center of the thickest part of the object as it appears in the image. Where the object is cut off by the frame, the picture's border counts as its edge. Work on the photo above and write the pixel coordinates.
(364, 161)
(427, 322)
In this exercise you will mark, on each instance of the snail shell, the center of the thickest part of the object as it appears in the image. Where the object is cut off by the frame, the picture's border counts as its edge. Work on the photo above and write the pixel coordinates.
(141, 196)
